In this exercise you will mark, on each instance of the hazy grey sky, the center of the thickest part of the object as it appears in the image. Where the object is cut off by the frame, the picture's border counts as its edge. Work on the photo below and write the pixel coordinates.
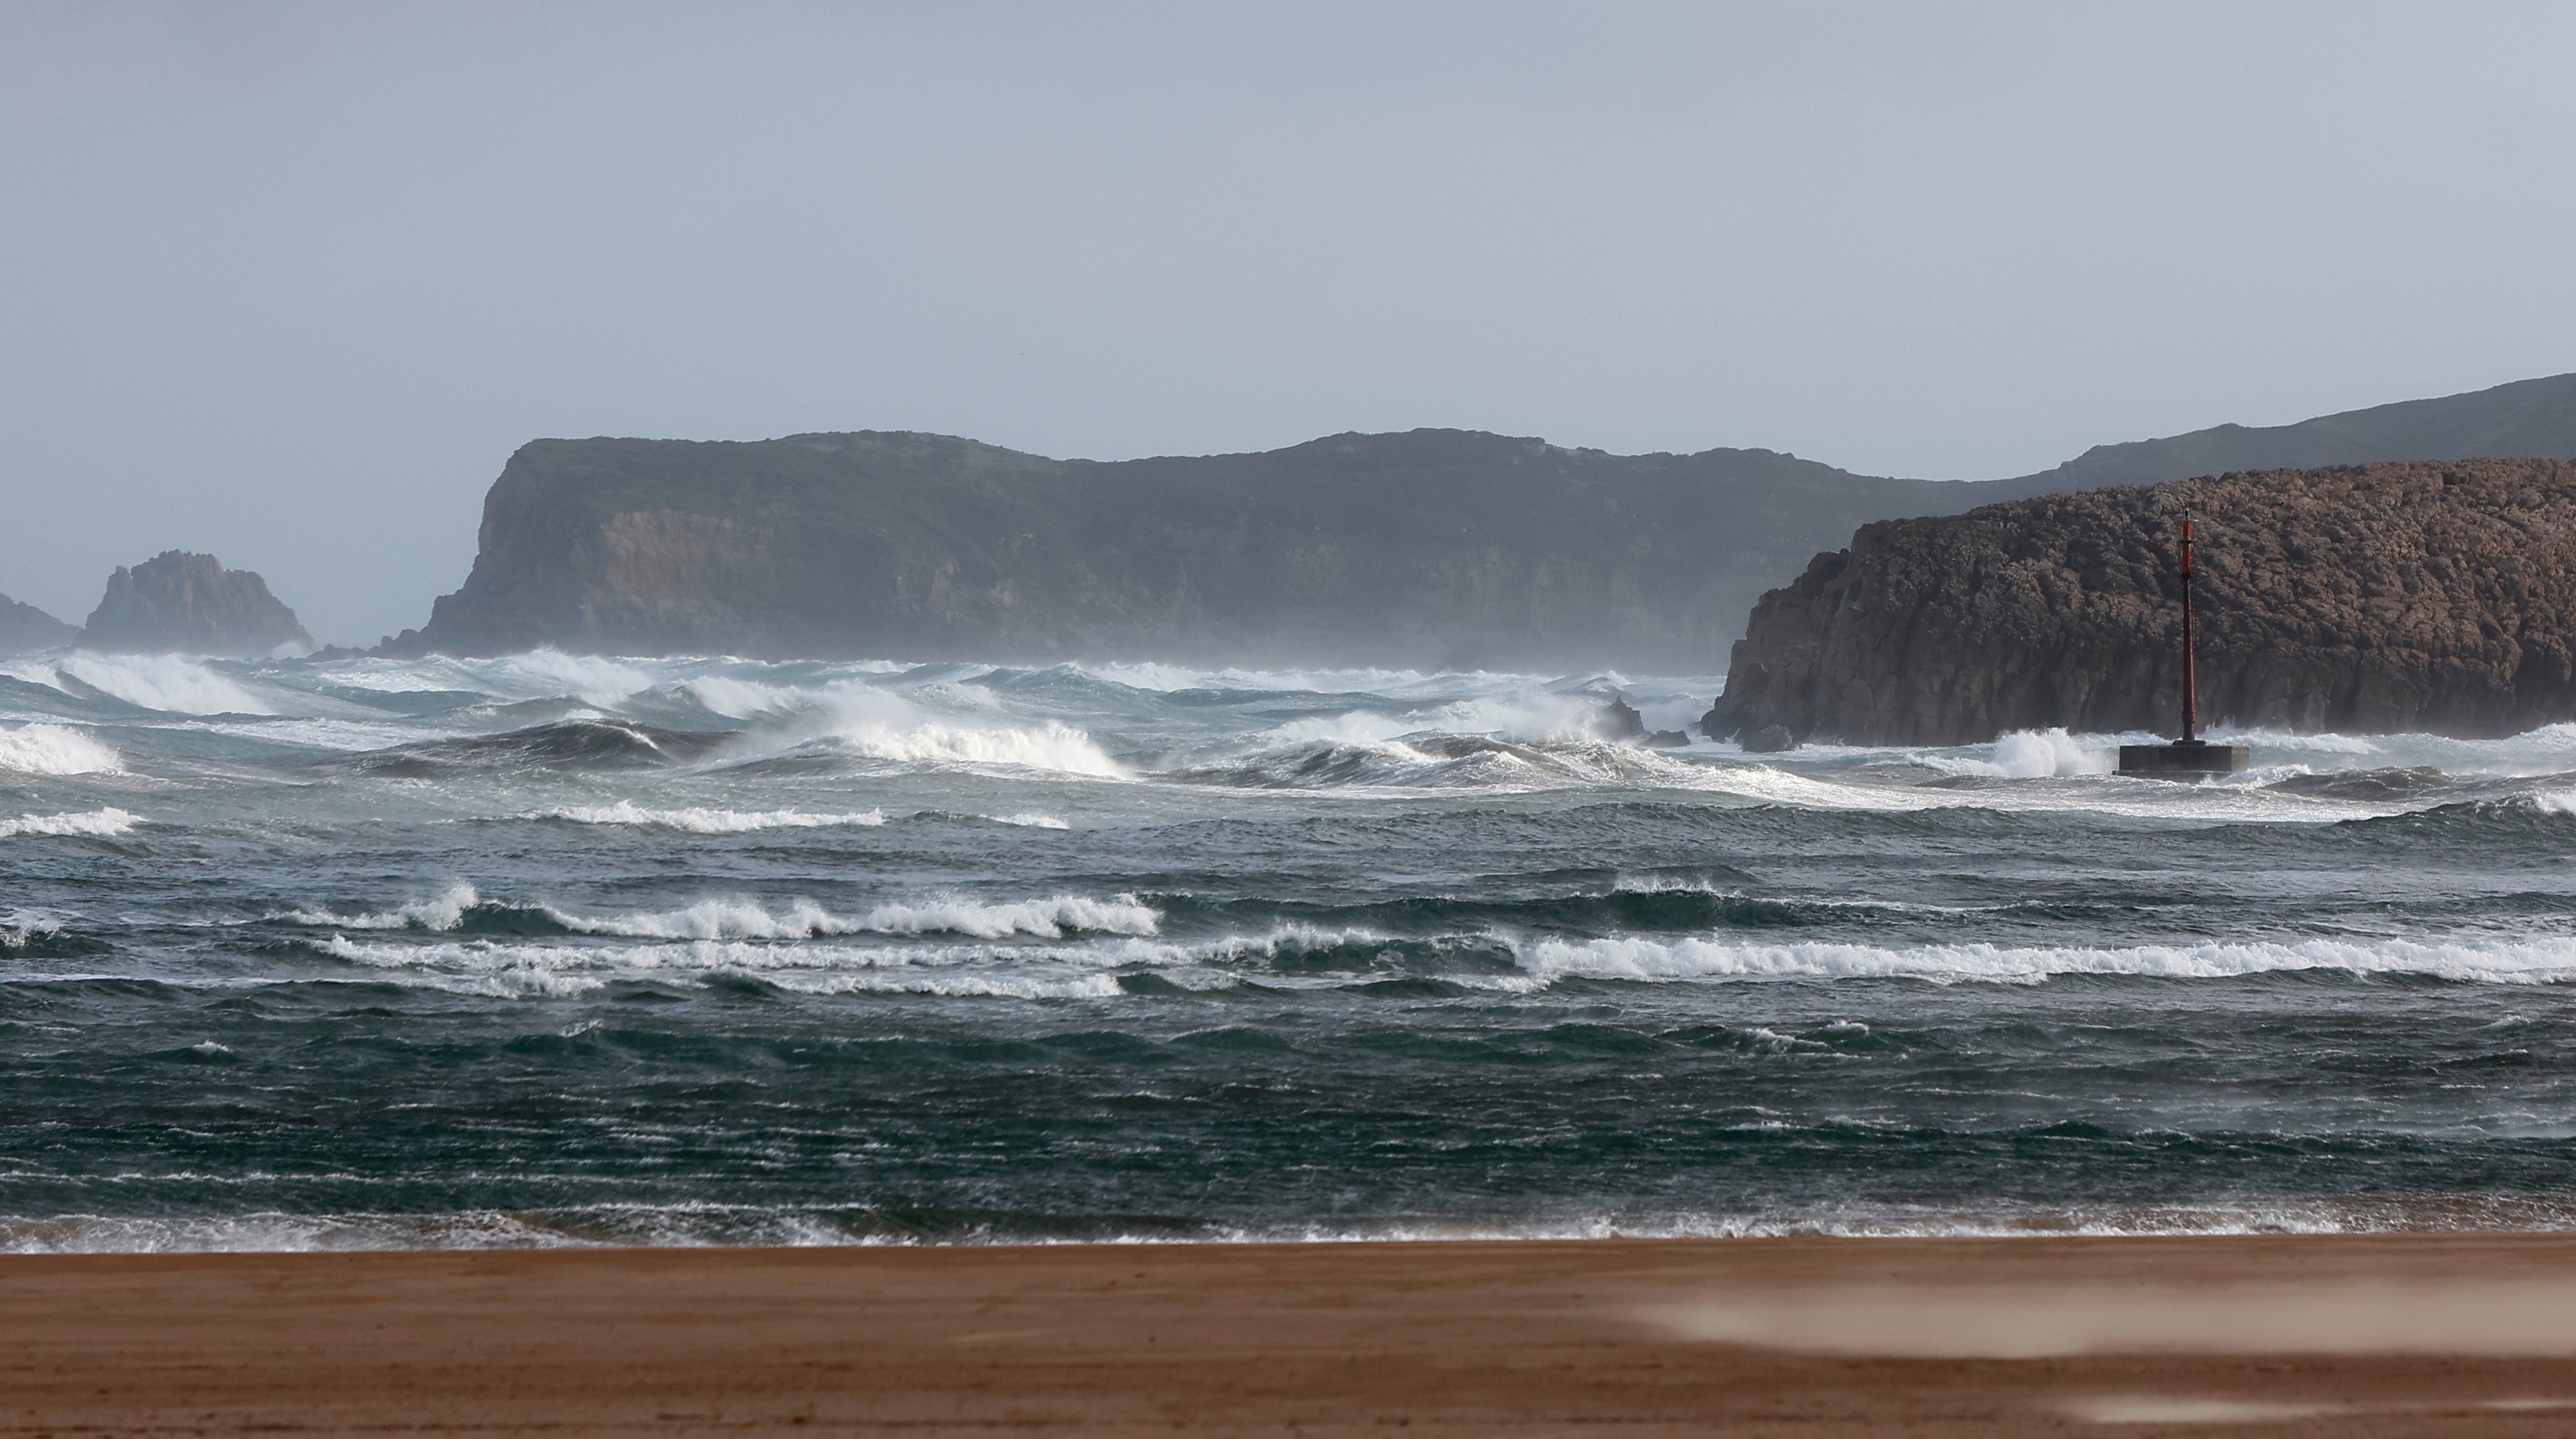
(289, 282)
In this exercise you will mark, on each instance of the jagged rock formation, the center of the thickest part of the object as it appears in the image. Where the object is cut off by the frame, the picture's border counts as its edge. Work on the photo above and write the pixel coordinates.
(1619, 721)
(1433, 548)
(2371, 599)
(190, 604)
(25, 628)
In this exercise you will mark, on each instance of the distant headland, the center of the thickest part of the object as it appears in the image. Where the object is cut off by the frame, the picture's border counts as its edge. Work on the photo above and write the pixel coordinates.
(1433, 548)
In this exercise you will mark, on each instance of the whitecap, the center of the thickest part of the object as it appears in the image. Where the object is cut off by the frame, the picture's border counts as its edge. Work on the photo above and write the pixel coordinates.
(2480, 958)
(1051, 917)
(171, 683)
(589, 678)
(53, 749)
(443, 910)
(1053, 745)
(99, 823)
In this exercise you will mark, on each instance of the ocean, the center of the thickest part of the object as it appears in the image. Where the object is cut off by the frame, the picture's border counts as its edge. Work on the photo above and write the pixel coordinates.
(554, 950)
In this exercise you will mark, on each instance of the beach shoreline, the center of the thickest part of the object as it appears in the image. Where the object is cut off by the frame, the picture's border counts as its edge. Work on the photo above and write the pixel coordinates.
(2467, 1333)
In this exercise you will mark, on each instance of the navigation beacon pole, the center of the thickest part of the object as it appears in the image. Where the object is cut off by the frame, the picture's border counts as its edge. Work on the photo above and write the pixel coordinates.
(2189, 757)
(2190, 675)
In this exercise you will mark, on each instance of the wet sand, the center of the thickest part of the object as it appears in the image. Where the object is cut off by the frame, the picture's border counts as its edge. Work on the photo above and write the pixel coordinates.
(2203, 1336)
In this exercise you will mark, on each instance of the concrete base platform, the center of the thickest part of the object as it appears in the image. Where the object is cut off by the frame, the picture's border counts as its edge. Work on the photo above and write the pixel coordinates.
(2181, 761)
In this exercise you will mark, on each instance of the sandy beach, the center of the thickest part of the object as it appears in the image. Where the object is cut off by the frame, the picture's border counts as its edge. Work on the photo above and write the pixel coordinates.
(2293, 1335)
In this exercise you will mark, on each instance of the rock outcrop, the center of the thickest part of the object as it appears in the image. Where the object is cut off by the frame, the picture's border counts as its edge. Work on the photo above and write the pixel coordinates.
(2373, 599)
(25, 629)
(1432, 548)
(190, 604)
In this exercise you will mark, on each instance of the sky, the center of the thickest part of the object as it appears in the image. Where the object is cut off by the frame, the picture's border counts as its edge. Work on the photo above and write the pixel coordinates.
(288, 283)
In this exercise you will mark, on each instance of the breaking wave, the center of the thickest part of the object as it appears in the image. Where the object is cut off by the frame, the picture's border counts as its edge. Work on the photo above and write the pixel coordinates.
(461, 907)
(1447, 762)
(51, 749)
(2495, 961)
(1053, 745)
(168, 683)
(101, 823)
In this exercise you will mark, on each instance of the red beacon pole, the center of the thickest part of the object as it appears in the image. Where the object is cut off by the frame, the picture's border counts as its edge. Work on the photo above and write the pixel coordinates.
(2190, 757)
(2190, 671)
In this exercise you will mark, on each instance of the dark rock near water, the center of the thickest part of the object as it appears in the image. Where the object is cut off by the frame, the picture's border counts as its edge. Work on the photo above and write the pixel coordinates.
(25, 629)
(191, 604)
(1432, 548)
(2373, 599)
(1667, 739)
(1769, 739)
(1619, 720)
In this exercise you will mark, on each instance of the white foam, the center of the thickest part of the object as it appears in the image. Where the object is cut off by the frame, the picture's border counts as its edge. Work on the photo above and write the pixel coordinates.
(98, 823)
(595, 681)
(1031, 820)
(2515, 961)
(712, 919)
(2039, 754)
(170, 683)
(1047, 918)
(480, 968)
(704, 821)
(543, 971)
(54, 749)
(2292, 740)
(866, 721)
(443, 910)
(741, 698)
(1053, 745)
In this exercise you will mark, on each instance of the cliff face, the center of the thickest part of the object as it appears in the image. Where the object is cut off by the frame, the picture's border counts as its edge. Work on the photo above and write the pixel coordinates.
(25, 628)
(190, 604)
(2371, 599)
(1429, 548)
(1433, 548)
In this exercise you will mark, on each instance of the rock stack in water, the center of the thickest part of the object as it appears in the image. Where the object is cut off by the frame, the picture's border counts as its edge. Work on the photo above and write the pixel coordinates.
(2437, 596)
(191, 604)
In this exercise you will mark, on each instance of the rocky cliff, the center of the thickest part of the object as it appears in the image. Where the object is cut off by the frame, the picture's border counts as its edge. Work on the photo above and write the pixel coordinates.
(1437, 547)
(1432, 548)
(2369, 599)
(25, 628)
(190, 604)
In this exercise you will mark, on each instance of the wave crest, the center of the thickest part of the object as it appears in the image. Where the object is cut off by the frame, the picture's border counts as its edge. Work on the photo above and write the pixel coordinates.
(52, 749)
(461, 907)
(2527, 961)
(97, 823)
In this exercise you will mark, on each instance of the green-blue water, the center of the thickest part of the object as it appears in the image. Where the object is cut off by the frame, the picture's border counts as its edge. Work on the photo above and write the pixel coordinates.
(545, 950)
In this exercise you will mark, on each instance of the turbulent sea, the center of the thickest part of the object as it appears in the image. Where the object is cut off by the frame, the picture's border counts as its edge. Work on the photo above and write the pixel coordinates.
(557, 950)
